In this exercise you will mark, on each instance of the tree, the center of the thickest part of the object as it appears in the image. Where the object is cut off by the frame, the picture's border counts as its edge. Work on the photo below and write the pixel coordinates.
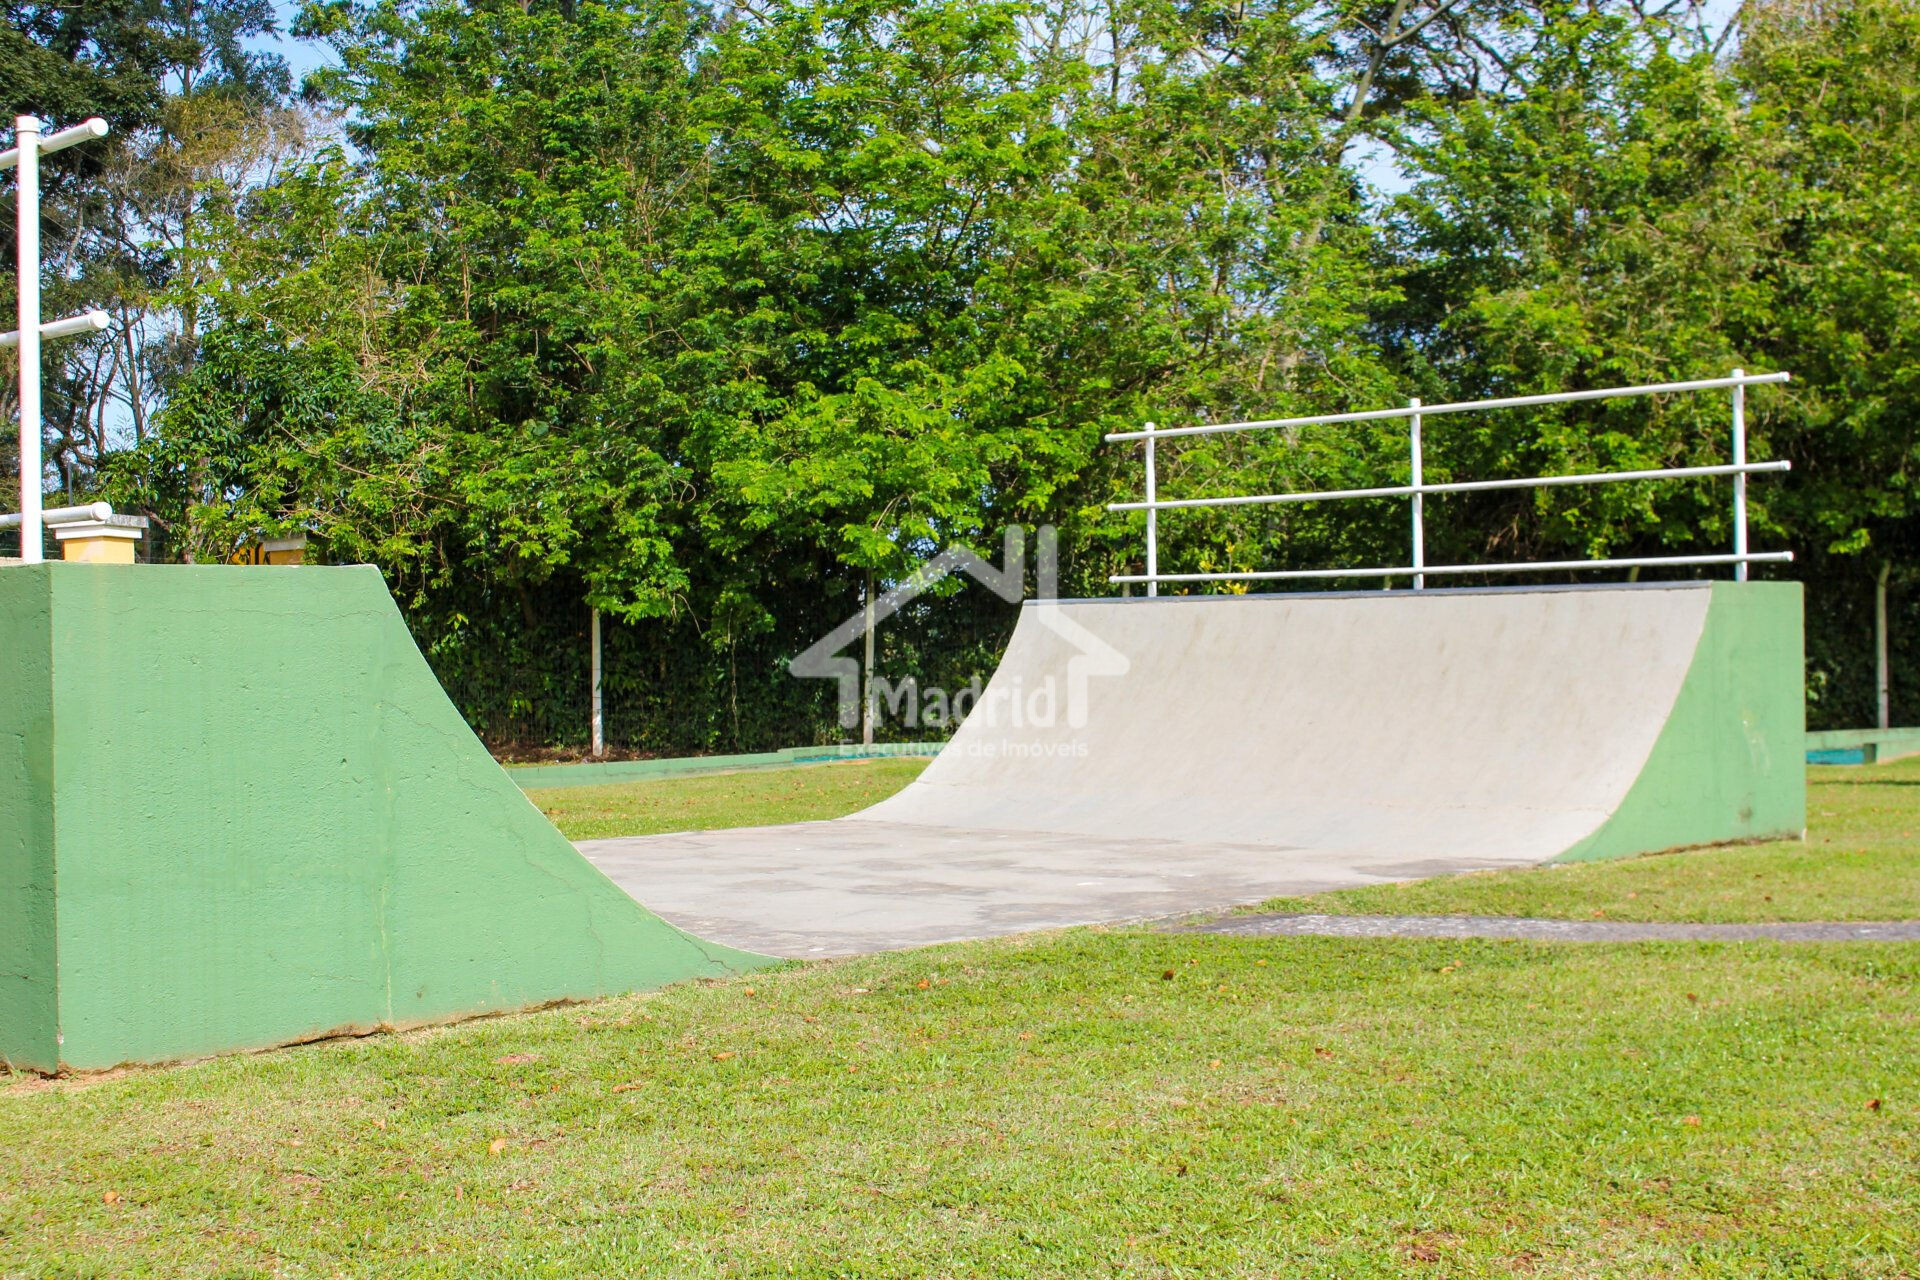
(1831, 168)
(184, 97)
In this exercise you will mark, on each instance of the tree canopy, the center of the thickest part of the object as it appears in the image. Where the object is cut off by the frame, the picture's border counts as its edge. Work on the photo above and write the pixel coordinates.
(707, 316)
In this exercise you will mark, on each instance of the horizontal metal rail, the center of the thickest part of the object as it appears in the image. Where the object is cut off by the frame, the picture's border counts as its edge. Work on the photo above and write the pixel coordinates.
(1458, 406)
(52, 142)
(85, 322)
(101, 511)
(1407, 570)
(1417, 490)
(1454, 486)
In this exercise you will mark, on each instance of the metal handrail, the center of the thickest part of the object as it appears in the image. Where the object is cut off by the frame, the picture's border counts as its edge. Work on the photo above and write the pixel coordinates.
(31, 144)
(1415, 412)
(1452, 486)
(1737, 379)
(1401, 571)
(93, 511)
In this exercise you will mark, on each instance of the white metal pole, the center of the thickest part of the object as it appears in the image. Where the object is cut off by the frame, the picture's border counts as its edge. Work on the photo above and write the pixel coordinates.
(1419, 500)
(26, 136)
(1740, 477)
(1153, 522)
(1882, 670)
(1458, 406)
(599, 724)
(867, 703)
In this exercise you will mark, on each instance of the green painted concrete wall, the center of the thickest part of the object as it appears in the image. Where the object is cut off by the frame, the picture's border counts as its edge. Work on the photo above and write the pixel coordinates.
(1730, 763)
(269, 823)
(1866, 746)
(28, 1024)
(593, 773)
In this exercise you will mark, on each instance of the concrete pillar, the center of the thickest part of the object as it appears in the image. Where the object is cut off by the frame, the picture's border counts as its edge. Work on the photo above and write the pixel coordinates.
(109, 541)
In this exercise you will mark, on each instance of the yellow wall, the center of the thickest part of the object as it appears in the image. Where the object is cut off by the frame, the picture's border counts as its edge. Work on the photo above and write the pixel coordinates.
(97, 550)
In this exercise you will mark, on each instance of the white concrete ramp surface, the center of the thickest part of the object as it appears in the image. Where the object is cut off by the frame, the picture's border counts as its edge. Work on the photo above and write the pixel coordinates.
(1138, 758)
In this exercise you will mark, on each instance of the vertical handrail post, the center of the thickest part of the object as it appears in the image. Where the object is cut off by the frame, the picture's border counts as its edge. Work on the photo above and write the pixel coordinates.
(26, 137)
(1153, 520)
(1740, 477)
(1419, 499)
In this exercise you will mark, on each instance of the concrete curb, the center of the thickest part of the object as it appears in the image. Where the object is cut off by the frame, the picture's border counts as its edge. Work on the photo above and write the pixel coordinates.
(594, 773)
(1284, 926)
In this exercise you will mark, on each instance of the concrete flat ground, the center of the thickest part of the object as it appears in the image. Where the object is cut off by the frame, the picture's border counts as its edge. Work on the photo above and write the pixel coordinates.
(856, 885)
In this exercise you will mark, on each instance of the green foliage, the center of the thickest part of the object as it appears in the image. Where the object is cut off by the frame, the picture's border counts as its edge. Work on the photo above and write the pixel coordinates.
(1833, 140)
(707, 318)
(267, 440)
(193, 112)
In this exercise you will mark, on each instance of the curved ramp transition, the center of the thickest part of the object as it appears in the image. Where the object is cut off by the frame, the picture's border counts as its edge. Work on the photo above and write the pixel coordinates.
(1143, 757)
(237, 810)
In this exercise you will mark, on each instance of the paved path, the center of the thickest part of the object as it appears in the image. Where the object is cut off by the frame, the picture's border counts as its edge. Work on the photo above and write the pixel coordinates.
(1280, 926)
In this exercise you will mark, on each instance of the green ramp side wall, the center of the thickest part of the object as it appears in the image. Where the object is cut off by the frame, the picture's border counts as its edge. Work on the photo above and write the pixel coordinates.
(1730, 762)
(241, 812)
(28, 1024)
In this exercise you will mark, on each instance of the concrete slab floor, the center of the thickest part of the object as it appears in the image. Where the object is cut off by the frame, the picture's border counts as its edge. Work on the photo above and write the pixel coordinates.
(854, 885)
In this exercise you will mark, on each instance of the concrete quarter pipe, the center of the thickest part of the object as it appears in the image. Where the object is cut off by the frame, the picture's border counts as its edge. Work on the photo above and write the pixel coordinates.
(1144, 757)
(237, 810)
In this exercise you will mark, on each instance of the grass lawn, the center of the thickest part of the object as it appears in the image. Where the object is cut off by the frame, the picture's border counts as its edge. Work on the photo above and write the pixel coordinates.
(1860, 861)
(750, 798)
(1083, 1103)
(1076, 1104)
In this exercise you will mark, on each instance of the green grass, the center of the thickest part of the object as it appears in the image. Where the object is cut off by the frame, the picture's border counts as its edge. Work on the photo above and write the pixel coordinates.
(1076, 1104)
(1860, 861)
(1090, 1102)
(751, 798)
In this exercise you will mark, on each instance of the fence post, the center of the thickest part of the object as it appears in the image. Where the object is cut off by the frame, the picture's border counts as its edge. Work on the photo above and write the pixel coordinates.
(26, 137)
(1882, 672)
(30, 143)
(1419, 500)
(598, 736)
(1740, 477)
(1153, 520)
(867, 705)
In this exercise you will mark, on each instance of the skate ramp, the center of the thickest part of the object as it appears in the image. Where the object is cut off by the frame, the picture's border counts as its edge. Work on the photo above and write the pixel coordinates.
(237, 810)
(1143, 757)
